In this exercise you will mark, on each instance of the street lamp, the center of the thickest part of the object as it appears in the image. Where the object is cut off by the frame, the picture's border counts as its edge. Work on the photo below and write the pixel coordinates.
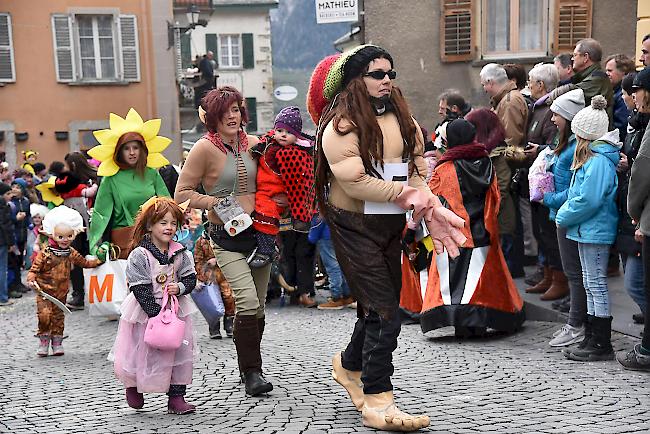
(193, 13)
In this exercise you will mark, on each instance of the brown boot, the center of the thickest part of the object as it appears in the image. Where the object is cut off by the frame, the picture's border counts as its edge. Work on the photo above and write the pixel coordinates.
(542, 286)
(306, 300)
(558, 289)
(247, 344)
(350, 380)
(380, 412)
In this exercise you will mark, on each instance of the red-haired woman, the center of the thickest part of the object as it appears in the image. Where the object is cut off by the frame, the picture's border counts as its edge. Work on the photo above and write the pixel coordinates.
(121, 194)
(219, 175)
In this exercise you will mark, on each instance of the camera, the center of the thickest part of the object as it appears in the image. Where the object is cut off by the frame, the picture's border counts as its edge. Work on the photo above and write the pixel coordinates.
(238, 224)
(235, 219)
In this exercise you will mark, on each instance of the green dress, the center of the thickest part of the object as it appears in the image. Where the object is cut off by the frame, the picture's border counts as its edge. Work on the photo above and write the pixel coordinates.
(119, 199)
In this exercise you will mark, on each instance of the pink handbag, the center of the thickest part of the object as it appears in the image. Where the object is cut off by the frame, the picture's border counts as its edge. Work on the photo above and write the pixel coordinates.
(165, 331)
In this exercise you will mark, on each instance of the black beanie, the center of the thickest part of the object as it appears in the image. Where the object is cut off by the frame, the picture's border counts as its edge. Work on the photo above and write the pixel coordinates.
(356, 64)
(4, 188)
(460, 132)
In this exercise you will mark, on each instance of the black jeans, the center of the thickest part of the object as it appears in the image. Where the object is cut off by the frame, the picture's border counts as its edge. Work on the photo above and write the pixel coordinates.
(297, 261)
(645, 254)
(76, 274)
(573, 271)
(545, 231)
(371, 351)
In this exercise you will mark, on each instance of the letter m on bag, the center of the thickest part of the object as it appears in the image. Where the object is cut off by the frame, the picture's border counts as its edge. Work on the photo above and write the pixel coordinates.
(106, 289)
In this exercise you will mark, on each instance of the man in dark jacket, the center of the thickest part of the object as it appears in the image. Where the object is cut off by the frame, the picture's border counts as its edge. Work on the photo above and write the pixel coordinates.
(6, 240)
(616, 66)
(589, 75)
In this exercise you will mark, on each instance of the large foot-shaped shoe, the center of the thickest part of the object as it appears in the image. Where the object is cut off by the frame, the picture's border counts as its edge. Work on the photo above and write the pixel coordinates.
(350, 380)
(177, 405)
(380, 412)
(134, 398)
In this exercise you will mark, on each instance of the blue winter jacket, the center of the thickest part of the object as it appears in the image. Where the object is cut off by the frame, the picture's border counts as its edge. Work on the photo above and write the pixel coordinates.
(621, 112)
(590, 213)
(560, 166)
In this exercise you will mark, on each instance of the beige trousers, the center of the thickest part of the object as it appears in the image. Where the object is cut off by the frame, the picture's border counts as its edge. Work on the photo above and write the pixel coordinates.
(248, 285)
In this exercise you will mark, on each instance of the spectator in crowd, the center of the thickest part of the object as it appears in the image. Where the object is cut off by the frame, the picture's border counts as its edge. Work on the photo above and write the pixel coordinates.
(21, 217)
(40, 173)
(7, 240)
(564, 65)
(564, 109)
(452, 105)
(511, 109)
(637, 205)
(616, 66)
(206, 67)
(626, 241)
(542, 132)
(589, 75)
(645, 50)
(55, 168)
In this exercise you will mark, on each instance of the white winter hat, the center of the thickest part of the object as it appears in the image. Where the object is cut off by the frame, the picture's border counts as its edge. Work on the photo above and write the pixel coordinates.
(568, 104)
(591, 122)
(38, 209)
(63, 215)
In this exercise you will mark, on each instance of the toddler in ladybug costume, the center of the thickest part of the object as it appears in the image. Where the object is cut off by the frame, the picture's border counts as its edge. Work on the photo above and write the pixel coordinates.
(285, 166)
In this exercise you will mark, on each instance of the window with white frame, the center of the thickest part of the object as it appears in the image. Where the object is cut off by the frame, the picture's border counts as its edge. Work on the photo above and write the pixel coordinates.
(230, 51)
(7, 67)
(515, 28)
(96, 48)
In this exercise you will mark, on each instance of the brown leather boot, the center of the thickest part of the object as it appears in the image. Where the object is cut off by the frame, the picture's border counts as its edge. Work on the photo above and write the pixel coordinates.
(247, 344)
(545, 283)
(558, 289)
(307, 301)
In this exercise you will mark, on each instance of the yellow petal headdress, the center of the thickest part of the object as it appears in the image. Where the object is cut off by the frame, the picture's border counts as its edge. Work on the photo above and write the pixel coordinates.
(133, 123)
(48, 192)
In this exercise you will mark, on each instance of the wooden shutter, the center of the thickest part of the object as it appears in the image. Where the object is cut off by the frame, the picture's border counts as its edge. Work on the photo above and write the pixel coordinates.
(212, 44)
(63, 48)
(456, 31)
(572, 23)
(128, 32)
(7, 67)
(251, 108)
(248, 50)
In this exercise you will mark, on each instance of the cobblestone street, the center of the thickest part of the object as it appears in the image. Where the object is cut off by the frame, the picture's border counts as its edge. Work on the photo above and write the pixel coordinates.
(500, 384)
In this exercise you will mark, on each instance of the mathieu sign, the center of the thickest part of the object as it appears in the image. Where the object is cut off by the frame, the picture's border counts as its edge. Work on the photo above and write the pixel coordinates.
(336, 11)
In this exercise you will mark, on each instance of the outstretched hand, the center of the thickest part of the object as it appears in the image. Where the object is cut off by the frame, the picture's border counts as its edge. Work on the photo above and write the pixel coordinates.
(444, 228)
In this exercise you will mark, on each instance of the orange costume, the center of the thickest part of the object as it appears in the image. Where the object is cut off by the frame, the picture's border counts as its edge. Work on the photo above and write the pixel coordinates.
(475, 289)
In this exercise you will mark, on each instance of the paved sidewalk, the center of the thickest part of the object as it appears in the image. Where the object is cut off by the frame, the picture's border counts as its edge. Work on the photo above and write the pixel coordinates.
(500, 384)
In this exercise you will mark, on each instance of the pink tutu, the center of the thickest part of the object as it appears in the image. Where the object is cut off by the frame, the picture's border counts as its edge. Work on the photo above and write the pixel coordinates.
(151, 370)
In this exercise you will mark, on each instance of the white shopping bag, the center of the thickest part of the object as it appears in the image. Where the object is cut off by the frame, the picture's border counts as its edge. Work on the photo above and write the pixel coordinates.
(106, 288)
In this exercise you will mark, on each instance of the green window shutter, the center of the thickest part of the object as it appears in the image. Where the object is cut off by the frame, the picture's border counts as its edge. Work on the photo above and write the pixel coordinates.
(211, 44)
(248, 50)
(251, 108)
(186, 50)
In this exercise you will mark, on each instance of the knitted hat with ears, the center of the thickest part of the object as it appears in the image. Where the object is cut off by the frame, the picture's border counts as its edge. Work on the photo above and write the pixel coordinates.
(591, 122)
(316, 101)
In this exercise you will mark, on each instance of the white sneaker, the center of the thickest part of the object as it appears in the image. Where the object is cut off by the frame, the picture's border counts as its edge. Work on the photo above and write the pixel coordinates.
(567, 335)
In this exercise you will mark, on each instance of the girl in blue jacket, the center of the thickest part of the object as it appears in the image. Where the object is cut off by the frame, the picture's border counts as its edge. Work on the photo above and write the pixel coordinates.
(590, 217)
(564, 109)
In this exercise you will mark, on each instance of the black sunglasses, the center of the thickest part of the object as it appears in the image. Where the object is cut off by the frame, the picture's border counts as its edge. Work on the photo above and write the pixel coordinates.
(379, 75)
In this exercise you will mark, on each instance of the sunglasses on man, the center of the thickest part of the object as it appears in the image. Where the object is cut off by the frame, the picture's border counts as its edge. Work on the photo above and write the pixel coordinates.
(379, 75)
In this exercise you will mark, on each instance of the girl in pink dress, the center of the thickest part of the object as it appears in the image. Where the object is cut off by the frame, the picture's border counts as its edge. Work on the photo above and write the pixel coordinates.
(156, 263)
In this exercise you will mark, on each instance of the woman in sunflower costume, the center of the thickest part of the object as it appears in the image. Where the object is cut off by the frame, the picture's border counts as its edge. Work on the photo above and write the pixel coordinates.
(130, 152)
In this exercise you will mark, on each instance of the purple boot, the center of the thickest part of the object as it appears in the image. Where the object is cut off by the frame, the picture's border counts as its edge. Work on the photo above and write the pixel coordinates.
(134, 398)
(177, 405)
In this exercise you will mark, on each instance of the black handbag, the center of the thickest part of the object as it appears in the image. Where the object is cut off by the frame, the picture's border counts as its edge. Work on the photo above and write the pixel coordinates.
(244, 242)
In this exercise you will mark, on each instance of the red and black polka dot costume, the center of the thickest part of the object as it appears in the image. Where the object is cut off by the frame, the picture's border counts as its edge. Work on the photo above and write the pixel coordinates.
(283, 169)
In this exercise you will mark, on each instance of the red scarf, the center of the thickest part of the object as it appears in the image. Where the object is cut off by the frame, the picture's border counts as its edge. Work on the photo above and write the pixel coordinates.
(217, 141)
(470, 151)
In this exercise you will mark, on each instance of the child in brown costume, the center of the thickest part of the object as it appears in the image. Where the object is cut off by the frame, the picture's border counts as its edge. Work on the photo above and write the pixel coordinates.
(50, 273)
(208, 271)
